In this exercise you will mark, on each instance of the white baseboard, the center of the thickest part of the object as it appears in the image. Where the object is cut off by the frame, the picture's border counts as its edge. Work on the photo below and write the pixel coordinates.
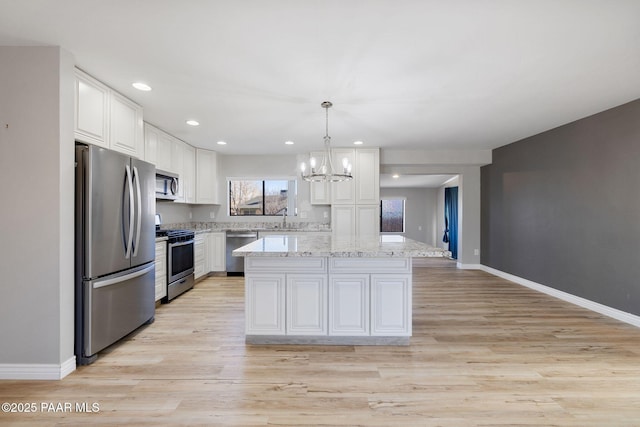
(37, 371)
(469, 266)
(614, 313)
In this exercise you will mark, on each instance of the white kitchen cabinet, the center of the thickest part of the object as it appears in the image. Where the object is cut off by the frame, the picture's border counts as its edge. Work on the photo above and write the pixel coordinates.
(217, 251)
(343, 192)
(391, 304)
(151, 135)
(126, 132)
(367, 176)
(164, 156)
(320, 192)
(91, 110)
(199, 256)
(343, 220)
(104, 117)
(188, 176)
(265, 304)
(160, 148)
(367, 220)
(207, 177)
(349, 304)
(161, 270)
(306, 310)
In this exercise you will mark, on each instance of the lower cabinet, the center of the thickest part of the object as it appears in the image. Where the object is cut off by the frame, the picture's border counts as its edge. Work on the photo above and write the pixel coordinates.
(216, 251)
(199, 256)
(349, 304)
(390, 304)
(335, 297)
(265, 304)
(306, 309)
(161, 270)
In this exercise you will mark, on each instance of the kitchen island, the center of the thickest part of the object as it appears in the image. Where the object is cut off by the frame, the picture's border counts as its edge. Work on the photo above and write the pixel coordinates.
(328, 290)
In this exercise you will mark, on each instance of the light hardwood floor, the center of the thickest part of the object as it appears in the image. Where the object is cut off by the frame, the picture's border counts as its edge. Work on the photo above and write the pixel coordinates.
(485, 352)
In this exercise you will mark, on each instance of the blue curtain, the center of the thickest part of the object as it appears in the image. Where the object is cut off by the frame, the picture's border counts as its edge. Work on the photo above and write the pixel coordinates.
(451, 220)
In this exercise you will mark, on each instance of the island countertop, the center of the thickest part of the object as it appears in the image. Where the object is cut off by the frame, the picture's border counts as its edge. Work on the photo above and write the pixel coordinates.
(384, 246)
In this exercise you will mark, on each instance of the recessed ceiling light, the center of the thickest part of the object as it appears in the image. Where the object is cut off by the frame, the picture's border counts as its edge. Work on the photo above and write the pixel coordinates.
(395, 176)
(357, 143)
(288, 142)
(141, 86)
(193, 123)
(222, 143)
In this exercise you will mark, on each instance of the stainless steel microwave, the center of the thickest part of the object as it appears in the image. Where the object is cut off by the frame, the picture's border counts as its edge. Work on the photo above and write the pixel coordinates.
(166, 185)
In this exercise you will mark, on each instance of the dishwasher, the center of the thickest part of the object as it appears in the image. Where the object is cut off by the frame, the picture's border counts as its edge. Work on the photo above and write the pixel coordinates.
(236, 239)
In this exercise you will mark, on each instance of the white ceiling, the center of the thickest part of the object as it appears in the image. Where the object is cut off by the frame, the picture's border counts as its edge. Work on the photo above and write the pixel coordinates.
(402, 74)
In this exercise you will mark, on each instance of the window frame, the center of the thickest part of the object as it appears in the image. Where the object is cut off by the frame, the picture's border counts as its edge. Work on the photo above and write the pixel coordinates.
(404, 215)
(292, 194)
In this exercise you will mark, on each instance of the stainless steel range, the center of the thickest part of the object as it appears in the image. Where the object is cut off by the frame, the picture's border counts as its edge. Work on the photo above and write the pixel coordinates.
(180, 246)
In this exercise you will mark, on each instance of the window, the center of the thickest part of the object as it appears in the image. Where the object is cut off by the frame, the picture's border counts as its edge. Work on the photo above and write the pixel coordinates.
(250, 197)
(392, 215)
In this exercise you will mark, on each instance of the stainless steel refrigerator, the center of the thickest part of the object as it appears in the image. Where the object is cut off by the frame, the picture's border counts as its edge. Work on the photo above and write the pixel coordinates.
(115, 248)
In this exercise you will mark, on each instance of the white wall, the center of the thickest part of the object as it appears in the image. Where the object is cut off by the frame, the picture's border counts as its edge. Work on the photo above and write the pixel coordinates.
(249, 166)
(420, 211)
(37, 171)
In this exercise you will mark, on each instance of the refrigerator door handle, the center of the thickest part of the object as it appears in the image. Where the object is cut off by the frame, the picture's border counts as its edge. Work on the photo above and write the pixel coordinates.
(127, 254)
(139, 210)
(108, 282)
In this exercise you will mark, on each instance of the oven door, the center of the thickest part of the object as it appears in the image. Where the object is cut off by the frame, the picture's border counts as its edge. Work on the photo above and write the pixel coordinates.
(180, 260)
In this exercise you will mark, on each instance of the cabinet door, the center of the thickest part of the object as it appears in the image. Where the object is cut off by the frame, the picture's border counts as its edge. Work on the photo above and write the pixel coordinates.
(343, 220)
(306, 304)
(320, 192)
(217, 244)
(165, 148)
(199, 256)
(189, 174)
(161, 270)
(177, 165)
(150, 144)
(367, 176)
(343, 192)
(91, 110)
(126, 129)
(206, 177)
(367, 220)
(349, 304)
(391, 304)
(265, 304)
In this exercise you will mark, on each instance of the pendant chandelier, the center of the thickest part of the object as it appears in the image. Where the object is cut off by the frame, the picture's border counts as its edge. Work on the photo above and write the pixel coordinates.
(325, 172)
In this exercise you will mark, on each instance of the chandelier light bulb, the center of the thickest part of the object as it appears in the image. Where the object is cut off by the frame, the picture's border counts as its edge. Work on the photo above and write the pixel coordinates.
(303, 167)
(345, 162)
(312, 162)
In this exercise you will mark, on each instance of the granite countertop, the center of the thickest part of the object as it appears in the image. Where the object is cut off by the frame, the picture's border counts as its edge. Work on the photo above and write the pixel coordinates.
(207, 227)
(383, 246)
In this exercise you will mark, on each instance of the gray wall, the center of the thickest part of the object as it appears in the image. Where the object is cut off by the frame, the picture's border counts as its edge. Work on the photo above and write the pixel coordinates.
(420, 211)
(562, 208)
(36, 169)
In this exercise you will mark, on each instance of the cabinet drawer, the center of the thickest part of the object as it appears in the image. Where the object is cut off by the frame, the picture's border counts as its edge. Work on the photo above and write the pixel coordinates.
(370, 265)
(288, 264)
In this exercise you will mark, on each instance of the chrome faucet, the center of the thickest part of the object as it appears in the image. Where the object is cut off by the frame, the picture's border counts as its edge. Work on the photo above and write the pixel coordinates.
(284, 218)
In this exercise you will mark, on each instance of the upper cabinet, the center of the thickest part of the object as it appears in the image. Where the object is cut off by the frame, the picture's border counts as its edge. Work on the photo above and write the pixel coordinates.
(188, 176)
(104, 117)
(343, 193)
(207, 177)
(91, 110)
(367, 176)
(320, 192)
(126, 128)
